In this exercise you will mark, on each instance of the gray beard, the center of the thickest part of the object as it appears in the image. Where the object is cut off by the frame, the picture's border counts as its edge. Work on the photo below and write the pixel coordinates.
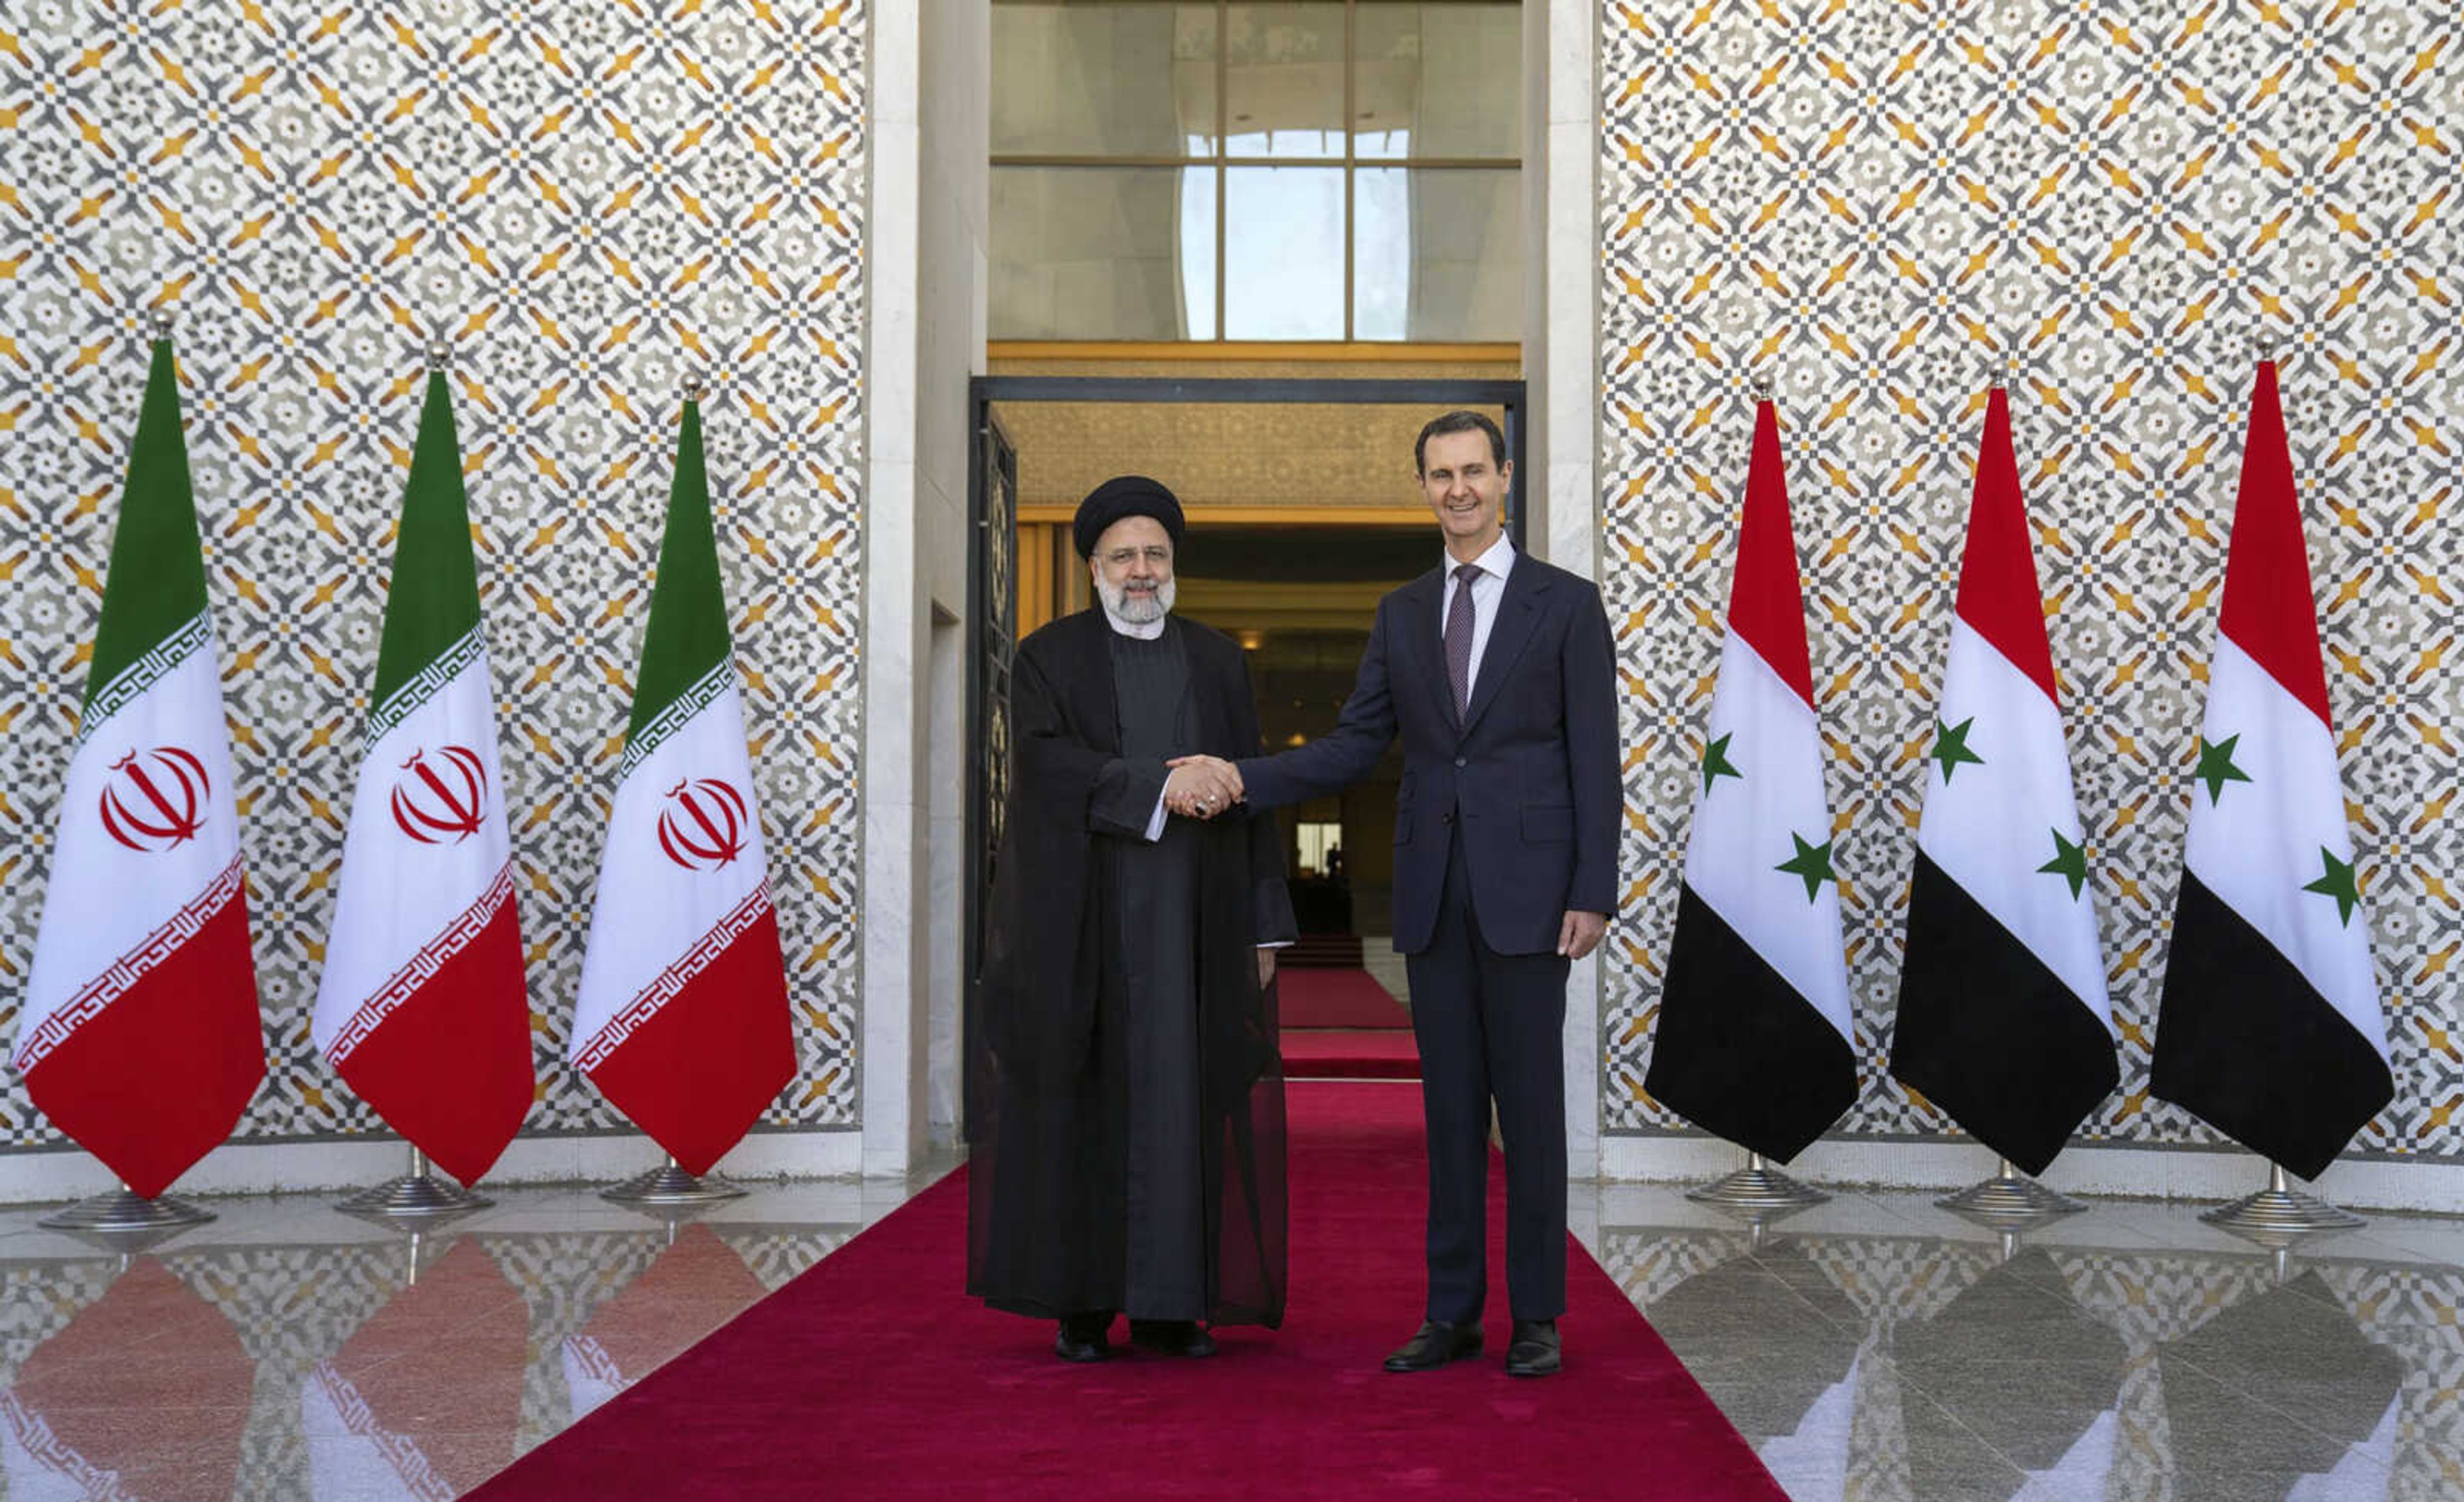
(1136, 609)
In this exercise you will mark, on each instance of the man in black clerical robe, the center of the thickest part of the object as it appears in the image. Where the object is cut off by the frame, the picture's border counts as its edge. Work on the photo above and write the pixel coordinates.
(1125, 1109)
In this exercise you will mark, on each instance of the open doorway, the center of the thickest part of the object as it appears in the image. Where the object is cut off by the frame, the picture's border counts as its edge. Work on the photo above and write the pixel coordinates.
(1302, 513)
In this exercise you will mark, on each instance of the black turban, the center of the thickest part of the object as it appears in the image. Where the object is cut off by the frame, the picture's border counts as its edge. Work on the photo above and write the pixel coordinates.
(1125, 496)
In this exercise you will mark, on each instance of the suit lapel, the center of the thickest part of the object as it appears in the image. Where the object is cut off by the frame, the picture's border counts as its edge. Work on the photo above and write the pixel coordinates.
(1518, 613)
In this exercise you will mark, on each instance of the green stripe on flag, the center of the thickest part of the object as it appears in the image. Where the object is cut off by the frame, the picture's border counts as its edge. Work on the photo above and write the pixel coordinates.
(433, 600)
(156, 583)
(687, 637)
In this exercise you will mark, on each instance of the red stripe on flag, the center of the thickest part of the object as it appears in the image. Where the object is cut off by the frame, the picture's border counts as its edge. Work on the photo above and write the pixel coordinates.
(1766, 602)
(2269, 611)
(157, 1079)
(1998, 597)
(449, 1067)
(698, 1071)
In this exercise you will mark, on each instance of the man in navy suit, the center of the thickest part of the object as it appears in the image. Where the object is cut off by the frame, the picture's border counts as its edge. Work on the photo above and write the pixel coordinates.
(1496, 672)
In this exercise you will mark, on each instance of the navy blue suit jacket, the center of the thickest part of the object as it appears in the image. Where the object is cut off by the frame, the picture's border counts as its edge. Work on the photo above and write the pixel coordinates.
(1528, 776)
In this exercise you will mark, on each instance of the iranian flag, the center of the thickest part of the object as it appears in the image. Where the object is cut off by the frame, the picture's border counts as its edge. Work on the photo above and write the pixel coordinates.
(2270, 1028)
(683, 1017)
(1754, 1038)
(139, 1032)
(2003, 1020)
(422, 1008)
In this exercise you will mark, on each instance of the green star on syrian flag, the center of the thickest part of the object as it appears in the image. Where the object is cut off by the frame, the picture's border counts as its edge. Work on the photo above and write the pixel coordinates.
(2069, 862)
(1716, 764)
(2216, 767)
(1950, 746)
(2337, 882)
(1812, 863)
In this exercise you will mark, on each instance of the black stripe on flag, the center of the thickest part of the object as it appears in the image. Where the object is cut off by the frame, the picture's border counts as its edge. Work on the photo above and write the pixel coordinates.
(1738, 1052)
(2245, 1041)
(1989, 1032)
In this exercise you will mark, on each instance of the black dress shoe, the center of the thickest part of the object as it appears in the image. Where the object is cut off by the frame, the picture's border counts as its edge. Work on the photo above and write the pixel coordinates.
(1172, 1337)
(1534, 1351)
(1082, 1338)
(1433, 1345)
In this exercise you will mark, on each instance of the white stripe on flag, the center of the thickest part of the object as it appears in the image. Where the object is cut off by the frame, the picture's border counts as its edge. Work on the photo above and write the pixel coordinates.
(653, 911)
(2258, 844)
(1746, 827)
(401, 895)
(111, 895)
(1991, 826)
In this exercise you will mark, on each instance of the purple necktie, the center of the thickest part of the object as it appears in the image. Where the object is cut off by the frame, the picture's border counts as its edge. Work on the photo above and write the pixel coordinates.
(1458, 638)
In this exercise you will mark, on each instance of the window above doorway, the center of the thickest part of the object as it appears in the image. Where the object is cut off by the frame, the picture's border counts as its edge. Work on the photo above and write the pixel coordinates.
(1223, 170)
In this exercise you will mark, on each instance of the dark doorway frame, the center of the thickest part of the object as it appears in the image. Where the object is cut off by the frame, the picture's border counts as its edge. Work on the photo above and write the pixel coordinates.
(988, 659)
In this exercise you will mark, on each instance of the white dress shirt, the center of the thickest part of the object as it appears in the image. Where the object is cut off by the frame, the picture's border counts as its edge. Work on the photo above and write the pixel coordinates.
(1487, 590)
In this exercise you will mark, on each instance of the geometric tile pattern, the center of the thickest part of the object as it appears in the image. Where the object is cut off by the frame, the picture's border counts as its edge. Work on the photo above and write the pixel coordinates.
(588, 201)
(1879, 208)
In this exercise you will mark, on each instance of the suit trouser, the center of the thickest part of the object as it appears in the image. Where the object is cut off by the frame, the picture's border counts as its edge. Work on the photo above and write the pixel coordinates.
(1490, 1025)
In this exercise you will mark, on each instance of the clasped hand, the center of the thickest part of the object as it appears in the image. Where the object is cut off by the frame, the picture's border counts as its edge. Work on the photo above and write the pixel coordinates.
(1201, 787)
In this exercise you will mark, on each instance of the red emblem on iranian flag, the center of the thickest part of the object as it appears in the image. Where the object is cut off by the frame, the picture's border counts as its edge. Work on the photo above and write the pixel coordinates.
(441, 795)
(157, 800)
(702, 826)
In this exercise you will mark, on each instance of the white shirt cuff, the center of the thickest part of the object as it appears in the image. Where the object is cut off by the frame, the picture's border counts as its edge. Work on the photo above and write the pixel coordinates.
(1154, 822)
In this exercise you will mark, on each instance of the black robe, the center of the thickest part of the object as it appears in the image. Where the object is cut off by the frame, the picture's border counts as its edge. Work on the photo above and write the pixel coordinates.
(1106, 958)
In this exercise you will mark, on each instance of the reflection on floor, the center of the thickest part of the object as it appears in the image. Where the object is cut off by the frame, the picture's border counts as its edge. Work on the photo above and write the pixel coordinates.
(1873, 1347)
(286, 1350)
(1876, 1347)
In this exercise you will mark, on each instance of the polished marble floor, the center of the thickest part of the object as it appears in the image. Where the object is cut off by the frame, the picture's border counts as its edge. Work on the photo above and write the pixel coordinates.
(1870, 1348)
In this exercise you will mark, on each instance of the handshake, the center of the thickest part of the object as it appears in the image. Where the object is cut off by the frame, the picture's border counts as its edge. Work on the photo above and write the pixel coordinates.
(1201, 787)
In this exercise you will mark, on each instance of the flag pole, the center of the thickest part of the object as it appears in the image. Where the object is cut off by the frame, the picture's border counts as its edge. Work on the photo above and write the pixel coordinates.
(120, 1217)
(415, 1195)
(2010, 1200)
(669, 1185)
(2279, 1213)
(1757, 1189)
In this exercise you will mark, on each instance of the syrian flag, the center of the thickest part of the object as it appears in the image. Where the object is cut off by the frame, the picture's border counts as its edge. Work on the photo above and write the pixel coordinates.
(1754, 1033)
(2003, 1020)
(422, 1008)
(2270, 1029)
(138, 1034)
(683, 1017)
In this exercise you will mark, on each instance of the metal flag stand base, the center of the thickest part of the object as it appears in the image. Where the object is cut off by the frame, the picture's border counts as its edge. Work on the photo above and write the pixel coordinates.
(2279, 1213)
(122, 1213)
(671, 1185)
(414, 1196)
(2009, 1198)
(1757, 1189)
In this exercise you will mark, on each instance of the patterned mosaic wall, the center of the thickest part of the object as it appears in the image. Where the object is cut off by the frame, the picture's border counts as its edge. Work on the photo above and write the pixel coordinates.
(1873, 204)
(590, 200)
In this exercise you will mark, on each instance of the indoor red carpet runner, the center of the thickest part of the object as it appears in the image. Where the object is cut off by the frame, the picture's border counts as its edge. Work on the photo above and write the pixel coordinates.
(1371, 1054)
(1336, 999)
(871, 1376)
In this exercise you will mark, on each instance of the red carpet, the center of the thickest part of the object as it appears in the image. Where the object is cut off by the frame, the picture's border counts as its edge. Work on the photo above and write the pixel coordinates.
(1337, 999)
(1324, 1055)
(871, 1376)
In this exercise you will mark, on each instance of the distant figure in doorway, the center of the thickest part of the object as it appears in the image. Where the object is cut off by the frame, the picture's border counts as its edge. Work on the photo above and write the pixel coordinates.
(1495, 669)
(1125, 1095)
